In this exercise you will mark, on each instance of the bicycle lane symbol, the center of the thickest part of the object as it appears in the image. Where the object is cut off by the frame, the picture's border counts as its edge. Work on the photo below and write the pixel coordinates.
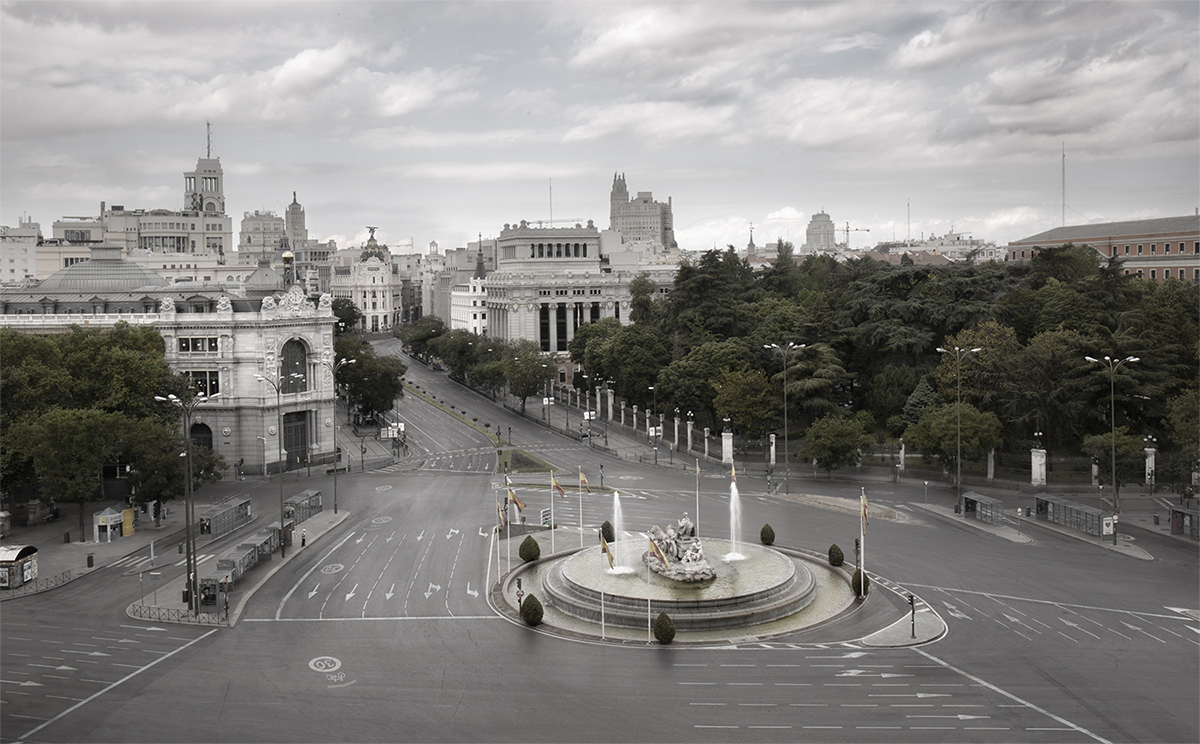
(330, 665)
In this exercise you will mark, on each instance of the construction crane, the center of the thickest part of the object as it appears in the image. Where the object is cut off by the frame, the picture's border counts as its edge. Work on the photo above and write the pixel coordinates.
(847, 230)
(540, 223)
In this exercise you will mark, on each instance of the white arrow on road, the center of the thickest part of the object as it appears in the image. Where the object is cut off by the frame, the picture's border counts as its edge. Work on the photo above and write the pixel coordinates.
(85, 653)
(313, 593)
(955, 611)
(56, 668)
(918, 695)
(139, 627)
(390, 592)
(421, 536)
(850, 655)
(864, 673)
(471, 591)
(25, 683)
(451, 533)
(1076, 627)
(1134, 627)
(352, 591)
(1016, 620)
(391, 537)
(482, 533)
(364, 537)
(432, 588)
(960, 716)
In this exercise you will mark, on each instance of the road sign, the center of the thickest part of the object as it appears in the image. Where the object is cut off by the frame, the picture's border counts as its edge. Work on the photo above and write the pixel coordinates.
(1106, 526)
(545, 517)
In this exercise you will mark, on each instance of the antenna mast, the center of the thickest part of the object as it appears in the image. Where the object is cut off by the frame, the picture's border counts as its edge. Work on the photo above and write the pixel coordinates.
(1064, 184)
(208, 138)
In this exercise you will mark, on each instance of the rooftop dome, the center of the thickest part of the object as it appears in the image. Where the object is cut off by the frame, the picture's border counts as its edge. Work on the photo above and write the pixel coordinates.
(104, 271)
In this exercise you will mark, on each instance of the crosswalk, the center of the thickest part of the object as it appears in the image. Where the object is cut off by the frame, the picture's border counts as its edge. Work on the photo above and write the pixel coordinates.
(137, 562)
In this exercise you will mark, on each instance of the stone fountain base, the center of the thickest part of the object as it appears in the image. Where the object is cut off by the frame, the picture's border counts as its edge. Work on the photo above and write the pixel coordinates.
(765, 585)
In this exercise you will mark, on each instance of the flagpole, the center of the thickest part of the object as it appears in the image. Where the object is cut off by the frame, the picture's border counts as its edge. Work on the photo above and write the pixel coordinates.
(862, 543)
(649, 625)
(697, 497)
(580, 489)
(508, 527)
(551, 512)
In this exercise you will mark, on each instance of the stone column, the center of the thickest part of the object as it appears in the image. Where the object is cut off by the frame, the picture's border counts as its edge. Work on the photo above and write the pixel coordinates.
(901, 455)
(689, 434)
(676, 432)
(772, 450)
(1150, 452)
(610, 404)
(727, 447)
(992, 464)
(622, 413)
(706, 442)
(1037, 461)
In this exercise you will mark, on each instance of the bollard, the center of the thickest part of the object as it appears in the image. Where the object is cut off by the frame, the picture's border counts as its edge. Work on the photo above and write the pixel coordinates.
(67, 538)
(181, 548)
(91, 560)
(1156, 519)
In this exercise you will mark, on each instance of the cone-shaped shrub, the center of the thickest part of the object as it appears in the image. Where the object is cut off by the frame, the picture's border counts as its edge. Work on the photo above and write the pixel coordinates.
(529, 550)
(607, 530)
(835, 555)
(664, 628)
(531, 610)
(766, 535)
(860, 583)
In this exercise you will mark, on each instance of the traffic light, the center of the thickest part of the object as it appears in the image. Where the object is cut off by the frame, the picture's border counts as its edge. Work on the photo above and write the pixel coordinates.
(912, 602)
(857, 546)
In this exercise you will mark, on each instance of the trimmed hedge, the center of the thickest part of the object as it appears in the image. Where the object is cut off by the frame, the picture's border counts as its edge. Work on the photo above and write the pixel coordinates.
(835, 555)
(530, 550)
(766, 535)
(531, 610)
(664, 628)
(607, 530)
(860, 582)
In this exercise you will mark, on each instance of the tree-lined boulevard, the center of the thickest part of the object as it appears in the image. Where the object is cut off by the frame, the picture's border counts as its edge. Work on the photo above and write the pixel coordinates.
(381, 629)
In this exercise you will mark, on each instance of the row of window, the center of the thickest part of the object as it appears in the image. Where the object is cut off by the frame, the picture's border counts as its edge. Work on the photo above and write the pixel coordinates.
(197, 344)
(1166, 249)
(558, 250)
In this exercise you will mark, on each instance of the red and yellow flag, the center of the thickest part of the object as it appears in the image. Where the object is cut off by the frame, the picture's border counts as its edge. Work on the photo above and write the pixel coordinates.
(554, 483)
(512, 496)
(657, 553)
(733, 472)
(864, 508)
(583, 482)
(606, 550)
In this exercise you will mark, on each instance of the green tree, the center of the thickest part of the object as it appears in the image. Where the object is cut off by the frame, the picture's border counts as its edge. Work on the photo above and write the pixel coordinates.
(373, 383)
(642, 293)
(68, 447)
(1130, 457)
(418, 335)
(1043, 385)
(690, 383)
(527, 370)
(747, 400)
(834, 441)
(347, 313)
(982, 371)
(936, 434)
(922, 398)
(633, 357)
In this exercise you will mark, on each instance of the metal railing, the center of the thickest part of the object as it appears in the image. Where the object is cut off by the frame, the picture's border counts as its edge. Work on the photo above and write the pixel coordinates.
(175, 615)
(37, 585)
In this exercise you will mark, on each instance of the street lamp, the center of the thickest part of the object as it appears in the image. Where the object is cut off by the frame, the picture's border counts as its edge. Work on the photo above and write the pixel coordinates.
(277, 385)
(189, 506)
(958, 357)
(333, 368)
(655, 412)
(785, 351)
(1112, 365)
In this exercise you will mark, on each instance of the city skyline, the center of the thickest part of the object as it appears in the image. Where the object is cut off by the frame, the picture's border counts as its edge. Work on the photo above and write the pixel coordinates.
(443, 121)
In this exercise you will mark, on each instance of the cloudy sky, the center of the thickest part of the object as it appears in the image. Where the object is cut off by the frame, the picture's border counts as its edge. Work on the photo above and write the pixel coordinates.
(441, 121)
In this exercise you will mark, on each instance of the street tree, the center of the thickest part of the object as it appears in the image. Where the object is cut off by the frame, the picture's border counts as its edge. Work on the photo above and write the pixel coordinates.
(1130, 456)
(690, 383)
(747, 400)
(347, 313)
(835, 441)
(527, 370)
(936, 434)
(418, 335)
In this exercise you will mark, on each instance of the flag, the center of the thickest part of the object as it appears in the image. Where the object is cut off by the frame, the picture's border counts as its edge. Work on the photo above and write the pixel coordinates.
(500, 511)
(512, 496)
(606, 550)
(554, 483)
(864, 508)
(657, 553)
(732, 472)
(583, 482)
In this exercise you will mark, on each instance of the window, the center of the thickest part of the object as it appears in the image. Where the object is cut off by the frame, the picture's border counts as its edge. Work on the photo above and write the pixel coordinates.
(1154, 249)
(1153, 274)
(207, 382)
(1139, 250)
(293, 360)
(197, 345)
(1126, 250)
(1166, 247)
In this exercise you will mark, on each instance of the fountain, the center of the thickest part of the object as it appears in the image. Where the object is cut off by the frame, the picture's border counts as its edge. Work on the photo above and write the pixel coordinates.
(735, 524)
(620, 562)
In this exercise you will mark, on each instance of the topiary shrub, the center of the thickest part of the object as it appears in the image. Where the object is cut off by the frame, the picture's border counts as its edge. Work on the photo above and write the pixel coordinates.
(860, 583)
(607, 530)
(529, 550)
(766, 535)
(835, 555)
(664, 628)
(531, 610)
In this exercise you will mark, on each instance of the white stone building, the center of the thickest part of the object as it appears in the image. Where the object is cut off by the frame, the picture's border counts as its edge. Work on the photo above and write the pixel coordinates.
(370, 284)
(18, 251)
(640, 219)
(468, 300)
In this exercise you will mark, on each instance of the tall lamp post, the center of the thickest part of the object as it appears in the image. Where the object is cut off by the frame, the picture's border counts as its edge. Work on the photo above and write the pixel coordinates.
(656, 438)
(785, 351)
(189, 506)
(958, 357)
(1113, 365)
(333, 368)
(277, 385)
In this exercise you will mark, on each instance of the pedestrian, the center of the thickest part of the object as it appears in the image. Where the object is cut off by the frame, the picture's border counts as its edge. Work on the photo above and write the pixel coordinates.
(303, 538)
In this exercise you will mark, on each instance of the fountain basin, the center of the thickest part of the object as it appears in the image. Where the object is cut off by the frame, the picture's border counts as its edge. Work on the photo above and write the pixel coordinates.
(766, 585)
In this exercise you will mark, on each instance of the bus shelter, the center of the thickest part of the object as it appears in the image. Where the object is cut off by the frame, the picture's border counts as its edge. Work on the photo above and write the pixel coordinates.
(223, 519)
(1068, 513)
(238, 561)
(283, 535)
(18, 565)
(1185, 520)
(303, 505)
(213, 584)
(265, 543)
(983, 508)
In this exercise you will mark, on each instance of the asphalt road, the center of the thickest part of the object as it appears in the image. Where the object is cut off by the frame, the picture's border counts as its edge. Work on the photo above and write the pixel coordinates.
(384, 632)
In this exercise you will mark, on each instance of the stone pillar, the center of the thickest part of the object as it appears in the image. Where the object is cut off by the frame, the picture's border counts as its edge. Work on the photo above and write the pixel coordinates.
(1037, 463)
(1150, 452)
(706, 442)
(992, 464)
(1095, 473)
(901, 455)
(772, 450)
(689, 434)
(676, 432)
(622, 413)
(610, 404)
(727, 447)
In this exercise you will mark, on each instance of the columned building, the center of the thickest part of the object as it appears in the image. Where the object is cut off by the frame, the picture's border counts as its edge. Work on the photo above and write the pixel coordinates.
(220, 339)
(369, 284)
(1149, 249)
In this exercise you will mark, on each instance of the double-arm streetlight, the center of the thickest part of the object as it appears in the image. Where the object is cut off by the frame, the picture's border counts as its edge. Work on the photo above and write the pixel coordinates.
(785, 351)
(189, 505)
(333, 368)
(958, 357)
(277, 384)
(1113, 365)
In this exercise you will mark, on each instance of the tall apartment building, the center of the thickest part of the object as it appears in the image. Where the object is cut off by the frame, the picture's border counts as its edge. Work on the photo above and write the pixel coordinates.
(640, 219)
(821, 235)
(18, 251)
